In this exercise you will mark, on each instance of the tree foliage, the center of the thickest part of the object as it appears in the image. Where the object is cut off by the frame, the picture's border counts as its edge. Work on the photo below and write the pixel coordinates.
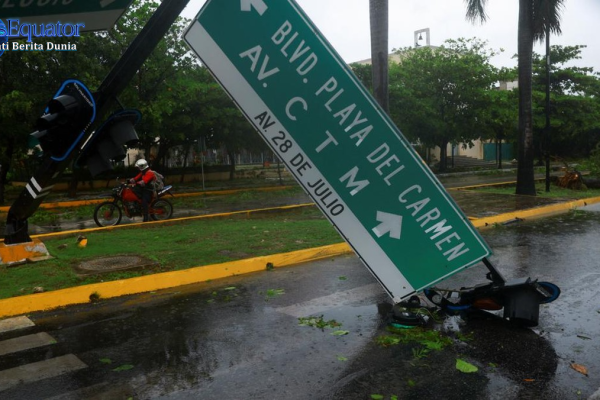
(436, 96)
(439, 95)
(574, 105)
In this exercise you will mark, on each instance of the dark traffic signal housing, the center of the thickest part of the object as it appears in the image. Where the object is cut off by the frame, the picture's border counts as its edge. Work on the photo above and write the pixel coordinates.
(108, 144)
(63, 124)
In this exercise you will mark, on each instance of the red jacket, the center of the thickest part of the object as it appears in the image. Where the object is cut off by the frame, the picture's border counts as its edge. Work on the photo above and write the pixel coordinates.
(145, 176)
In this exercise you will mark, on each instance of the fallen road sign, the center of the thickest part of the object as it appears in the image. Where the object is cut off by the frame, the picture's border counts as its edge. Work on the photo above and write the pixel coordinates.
(336, 141)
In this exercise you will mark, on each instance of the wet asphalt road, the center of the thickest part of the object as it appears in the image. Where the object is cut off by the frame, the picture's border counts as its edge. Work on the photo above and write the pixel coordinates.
(239, 338)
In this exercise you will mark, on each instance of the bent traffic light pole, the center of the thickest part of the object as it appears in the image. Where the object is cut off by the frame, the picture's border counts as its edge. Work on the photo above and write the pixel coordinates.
(53, 135)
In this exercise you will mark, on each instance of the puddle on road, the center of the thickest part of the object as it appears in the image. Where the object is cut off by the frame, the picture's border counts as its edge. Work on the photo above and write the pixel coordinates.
(562, 250)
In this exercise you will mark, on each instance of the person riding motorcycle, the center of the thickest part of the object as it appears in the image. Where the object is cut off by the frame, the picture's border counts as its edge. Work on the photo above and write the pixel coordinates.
(143, 185)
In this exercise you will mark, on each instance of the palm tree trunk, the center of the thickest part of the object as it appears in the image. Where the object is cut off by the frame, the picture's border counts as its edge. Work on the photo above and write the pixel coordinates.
(378, 11)
(443, 156)
(525, 174)
(231, 155)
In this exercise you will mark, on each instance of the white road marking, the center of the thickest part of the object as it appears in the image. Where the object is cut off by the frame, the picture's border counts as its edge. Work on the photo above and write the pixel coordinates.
(25, 343)
(13, 324)
(39, 370)
(321, 304)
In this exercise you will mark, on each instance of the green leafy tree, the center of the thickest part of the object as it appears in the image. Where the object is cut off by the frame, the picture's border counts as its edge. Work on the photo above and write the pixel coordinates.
(574, 105)
(363, 73)
(28, 80)
(536, 17)
(499, 121)
(157, 86)
(438, 96)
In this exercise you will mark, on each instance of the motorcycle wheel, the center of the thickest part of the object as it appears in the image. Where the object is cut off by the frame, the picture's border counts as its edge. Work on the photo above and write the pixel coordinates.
(552, 289)
(107, 214)
(161, 209)
(442, 302)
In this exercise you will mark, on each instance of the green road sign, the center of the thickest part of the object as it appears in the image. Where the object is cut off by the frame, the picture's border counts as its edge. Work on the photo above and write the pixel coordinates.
(337, 142)
(95, 14)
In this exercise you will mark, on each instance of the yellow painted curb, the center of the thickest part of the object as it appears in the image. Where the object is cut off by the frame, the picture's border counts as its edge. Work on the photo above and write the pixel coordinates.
(482, 185)
(543, 211)
(81, 294)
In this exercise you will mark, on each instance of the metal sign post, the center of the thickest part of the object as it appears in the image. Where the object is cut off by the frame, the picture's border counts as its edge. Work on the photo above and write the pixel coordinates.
(336, 141)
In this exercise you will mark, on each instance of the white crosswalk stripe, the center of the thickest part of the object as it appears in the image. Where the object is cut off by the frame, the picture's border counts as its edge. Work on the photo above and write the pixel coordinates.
(39, 370)
(35, 371)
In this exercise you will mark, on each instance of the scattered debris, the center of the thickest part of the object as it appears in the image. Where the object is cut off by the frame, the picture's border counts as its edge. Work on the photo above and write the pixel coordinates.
(81, 241)
(274, 292)
(572, 179)
(579, 368)
(340, 333)
(94, 297)
(124, 367)
(465, 367)
(318, 322)
(38, 289)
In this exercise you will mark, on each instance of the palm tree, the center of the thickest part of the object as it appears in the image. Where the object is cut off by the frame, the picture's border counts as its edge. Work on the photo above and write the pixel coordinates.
(378, 11)
(534, 17)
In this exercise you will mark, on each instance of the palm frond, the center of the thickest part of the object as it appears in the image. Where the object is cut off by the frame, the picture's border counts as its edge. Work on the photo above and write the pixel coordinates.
(546, 14)
(476, 10)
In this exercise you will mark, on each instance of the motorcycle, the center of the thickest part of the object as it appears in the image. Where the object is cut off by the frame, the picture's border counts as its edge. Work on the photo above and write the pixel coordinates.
(520, 298)
(124, 200)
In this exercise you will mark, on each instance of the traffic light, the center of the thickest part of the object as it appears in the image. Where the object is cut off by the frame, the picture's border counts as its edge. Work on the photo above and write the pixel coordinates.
(108, 144)
(64, 121)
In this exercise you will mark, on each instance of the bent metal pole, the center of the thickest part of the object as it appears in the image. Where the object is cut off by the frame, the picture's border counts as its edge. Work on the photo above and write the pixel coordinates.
(114, 83)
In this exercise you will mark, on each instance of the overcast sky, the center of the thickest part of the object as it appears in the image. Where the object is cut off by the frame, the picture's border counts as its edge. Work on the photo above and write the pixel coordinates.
(345, 23)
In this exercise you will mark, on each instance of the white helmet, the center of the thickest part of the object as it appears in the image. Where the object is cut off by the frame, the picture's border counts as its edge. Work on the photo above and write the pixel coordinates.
(141, 164)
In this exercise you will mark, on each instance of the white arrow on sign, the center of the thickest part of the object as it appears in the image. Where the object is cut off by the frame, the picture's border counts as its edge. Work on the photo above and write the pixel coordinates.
(105, 3)
(259, 6)
(390, 223)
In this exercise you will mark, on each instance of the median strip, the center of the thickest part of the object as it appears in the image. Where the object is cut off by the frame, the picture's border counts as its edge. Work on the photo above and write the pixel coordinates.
(83, 294)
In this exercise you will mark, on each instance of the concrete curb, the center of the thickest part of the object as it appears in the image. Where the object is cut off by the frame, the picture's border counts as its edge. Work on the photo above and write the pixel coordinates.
(538, 212)
(81, 294)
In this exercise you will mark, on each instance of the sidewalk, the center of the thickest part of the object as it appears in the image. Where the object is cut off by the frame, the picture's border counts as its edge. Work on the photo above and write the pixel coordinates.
(484, 210)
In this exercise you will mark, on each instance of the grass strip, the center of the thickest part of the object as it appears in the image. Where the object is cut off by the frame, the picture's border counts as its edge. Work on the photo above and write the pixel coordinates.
(555, 191)
(174, 247)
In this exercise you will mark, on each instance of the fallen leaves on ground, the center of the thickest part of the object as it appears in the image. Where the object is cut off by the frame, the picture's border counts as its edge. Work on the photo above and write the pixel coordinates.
(580, 368)
(465, 367)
